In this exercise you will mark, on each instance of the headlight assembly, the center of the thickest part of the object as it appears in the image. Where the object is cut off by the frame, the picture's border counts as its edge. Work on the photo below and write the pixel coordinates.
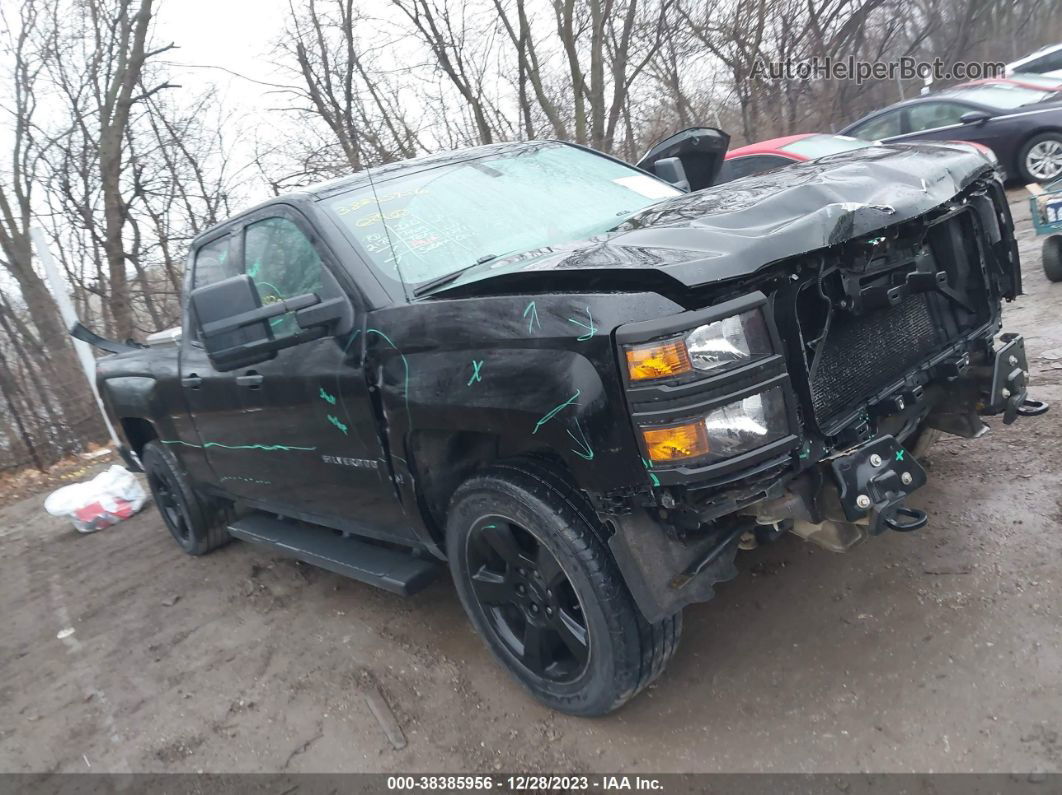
(676, 442)
(729, 342)
(658, 360)
(747, 423)
(713, 347)
(729, 430)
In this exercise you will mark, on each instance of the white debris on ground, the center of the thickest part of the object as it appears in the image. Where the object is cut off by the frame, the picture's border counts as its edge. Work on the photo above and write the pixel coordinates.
(113, 495)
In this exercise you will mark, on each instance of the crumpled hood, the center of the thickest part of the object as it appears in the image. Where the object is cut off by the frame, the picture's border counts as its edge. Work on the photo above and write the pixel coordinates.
(739, 227)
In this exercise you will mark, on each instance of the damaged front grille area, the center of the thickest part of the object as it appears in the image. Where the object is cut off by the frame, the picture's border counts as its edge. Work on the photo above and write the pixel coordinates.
(862, 354)
(878, 309)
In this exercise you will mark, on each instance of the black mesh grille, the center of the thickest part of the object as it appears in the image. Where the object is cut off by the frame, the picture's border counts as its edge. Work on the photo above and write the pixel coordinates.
(862, 354)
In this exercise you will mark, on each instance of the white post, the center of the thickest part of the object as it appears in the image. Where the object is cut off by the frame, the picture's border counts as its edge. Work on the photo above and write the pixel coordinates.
(66, 310)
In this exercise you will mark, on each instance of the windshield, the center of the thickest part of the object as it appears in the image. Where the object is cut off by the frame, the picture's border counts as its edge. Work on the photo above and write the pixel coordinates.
(1000, 95)
(1048, 83)
(440, 220)
(821, 145)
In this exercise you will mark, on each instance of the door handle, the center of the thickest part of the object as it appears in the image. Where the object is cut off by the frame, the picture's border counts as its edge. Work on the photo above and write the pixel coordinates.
(191, 380)
(249, 379)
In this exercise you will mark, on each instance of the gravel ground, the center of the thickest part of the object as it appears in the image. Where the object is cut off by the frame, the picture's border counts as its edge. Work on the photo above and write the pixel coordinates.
(933, 651)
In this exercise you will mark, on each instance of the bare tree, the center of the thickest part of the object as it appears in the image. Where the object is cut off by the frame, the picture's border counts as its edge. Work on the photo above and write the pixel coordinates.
(445, 29)
(163, 182)
(340, 84)
(53, 360)
(101, 66)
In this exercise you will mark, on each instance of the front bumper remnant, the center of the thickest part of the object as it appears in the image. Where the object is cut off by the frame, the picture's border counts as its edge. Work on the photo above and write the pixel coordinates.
(874, 480)
(1010, 381)
(836, 502)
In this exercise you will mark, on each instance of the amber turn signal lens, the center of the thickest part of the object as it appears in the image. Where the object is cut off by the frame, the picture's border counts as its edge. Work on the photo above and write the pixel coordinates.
(676, 442)
(658, 360)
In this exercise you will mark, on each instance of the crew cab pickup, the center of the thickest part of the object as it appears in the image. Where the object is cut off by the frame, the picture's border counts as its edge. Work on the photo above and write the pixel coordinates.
(582, 387)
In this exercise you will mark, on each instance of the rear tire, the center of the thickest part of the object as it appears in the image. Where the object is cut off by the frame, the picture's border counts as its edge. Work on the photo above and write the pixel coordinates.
(1040, 159)
(197, 523)
(534, 573)
(1052, 258)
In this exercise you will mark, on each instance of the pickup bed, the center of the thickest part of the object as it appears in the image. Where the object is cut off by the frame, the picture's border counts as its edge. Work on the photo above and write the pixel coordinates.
(581, 387)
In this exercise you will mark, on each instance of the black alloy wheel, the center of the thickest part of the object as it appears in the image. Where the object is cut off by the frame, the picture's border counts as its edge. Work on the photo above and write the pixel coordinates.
(528, 599)
(533, 569)
(169, 505)
(196, 522)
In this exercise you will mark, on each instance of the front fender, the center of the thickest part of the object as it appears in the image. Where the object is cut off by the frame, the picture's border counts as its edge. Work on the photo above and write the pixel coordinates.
(532, 372)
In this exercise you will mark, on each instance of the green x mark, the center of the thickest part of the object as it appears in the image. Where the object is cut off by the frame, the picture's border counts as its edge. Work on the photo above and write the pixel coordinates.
(475, 372)
(899, 455)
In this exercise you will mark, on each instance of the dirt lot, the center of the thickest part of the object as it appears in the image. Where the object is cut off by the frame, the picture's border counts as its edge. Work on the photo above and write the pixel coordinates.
(934, 651)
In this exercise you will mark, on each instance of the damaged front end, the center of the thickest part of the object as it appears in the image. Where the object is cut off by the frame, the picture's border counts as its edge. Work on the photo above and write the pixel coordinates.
(853, 354)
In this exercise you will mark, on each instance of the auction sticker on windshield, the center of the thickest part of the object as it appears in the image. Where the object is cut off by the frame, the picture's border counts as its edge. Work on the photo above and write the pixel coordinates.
(648, 187)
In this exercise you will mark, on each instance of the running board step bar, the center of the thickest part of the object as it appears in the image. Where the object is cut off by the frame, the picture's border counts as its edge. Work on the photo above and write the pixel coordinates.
(394, 571)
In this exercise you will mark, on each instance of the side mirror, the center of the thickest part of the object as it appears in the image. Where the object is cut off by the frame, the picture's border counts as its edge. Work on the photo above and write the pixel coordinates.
(234, 326)
(670, 169)
(974, 117)
(699, 152)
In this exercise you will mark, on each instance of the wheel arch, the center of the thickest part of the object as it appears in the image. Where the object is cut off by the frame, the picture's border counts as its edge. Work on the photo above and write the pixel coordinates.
(446, 459)
(138, 432)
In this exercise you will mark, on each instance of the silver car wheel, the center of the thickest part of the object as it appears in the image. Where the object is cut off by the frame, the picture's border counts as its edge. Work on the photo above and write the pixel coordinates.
(1044, 160)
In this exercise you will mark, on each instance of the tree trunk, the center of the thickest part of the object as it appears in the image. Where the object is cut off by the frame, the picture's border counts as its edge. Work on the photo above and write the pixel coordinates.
(7, 391)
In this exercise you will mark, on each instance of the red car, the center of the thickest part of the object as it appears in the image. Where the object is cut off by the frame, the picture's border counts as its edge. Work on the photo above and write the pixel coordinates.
(1037, 82)
(778, 152)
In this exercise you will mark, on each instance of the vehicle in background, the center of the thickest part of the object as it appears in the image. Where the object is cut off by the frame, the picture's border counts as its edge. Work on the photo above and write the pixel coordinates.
(1045, 209)
(778, 152)
(1022, 79)
(1023, 126)
(1045, 61)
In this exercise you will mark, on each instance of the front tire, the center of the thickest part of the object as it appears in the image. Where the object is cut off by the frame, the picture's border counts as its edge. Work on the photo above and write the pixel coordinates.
(533, 571)
(1040, 159)
(197, 523)
(922, 440)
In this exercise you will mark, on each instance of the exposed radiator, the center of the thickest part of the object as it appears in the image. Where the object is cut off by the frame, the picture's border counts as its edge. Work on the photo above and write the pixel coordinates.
(862, 354)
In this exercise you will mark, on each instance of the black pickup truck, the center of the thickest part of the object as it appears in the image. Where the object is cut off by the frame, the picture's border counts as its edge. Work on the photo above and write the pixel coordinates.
(583, 387)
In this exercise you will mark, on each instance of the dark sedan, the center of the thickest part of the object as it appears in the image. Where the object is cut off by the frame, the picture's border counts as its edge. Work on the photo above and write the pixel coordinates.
(1023, 126)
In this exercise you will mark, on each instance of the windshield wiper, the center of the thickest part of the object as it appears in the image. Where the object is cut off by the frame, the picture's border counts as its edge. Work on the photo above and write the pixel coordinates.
(439, 281)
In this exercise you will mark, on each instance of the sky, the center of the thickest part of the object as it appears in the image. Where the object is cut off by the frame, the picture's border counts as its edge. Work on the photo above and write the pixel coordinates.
(235, 35)
(230, 45)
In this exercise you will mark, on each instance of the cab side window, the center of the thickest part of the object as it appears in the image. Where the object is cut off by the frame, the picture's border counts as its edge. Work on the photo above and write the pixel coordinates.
(283, 263)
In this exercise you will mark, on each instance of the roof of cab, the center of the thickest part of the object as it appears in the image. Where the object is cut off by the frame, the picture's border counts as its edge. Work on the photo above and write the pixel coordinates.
(399, 167)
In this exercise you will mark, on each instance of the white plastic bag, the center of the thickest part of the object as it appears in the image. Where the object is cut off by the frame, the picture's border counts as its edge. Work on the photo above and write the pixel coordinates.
(110, 497)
